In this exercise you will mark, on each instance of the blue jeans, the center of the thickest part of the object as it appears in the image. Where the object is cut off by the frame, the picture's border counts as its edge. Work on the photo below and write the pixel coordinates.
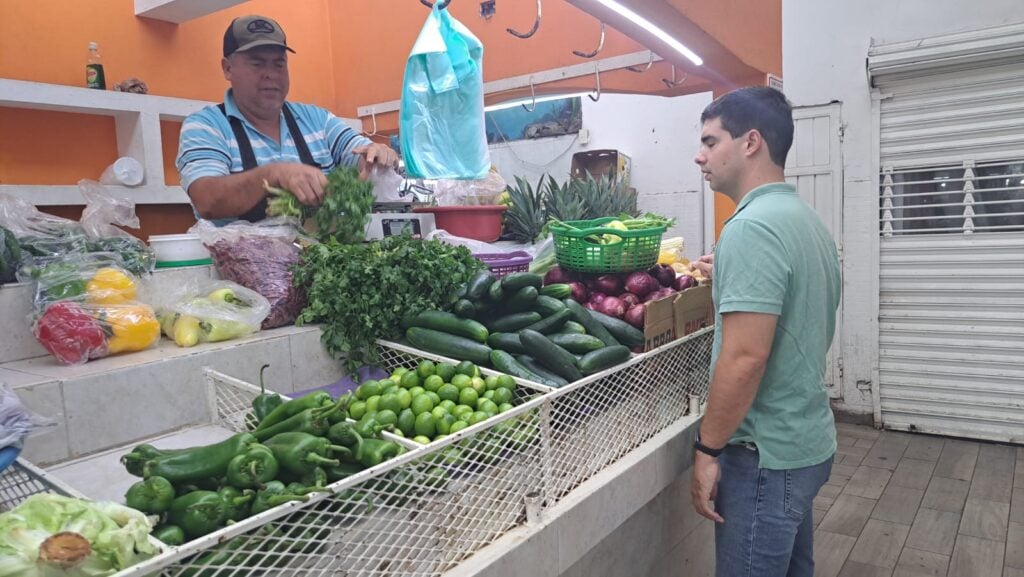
(768, 529)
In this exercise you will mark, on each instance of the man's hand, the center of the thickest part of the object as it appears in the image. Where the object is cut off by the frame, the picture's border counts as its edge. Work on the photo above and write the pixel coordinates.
(375, 154)
(304, 181)
(704, 265)
(704, 486)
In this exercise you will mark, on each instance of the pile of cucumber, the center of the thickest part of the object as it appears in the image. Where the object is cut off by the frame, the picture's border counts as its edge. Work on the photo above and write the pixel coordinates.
(524, 329)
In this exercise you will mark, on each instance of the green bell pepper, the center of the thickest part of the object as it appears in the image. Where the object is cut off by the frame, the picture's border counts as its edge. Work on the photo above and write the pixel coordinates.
(236, 502)
(253, 468)
(169, 535)
(373, 452)
(151, 496)
(198, 513)
(273, 494)
(300, 453)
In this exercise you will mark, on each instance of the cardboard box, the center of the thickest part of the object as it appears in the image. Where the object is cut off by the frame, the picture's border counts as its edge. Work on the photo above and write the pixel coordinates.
(677, 315)
(607, 162)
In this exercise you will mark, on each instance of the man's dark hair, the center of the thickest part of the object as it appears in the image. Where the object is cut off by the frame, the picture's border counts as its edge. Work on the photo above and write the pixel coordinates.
(756, 108)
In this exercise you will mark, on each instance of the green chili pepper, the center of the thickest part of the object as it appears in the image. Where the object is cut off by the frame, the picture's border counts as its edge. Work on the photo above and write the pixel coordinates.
(300, 453)
(198, 513)
(152, 496)
(373, 452)
(135, 460)
(253, 468)
(60, 281)
(369, 427)
(345, 434)
(236, 502)
(211, 484)
(273, 494)
(169, 534)
(312, 421)
(265, 402)
(339, 472)
(340, 417)
(199, 463)
(313, 400)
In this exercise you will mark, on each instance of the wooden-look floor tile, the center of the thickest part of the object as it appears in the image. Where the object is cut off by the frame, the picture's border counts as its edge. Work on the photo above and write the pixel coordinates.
(934, 531)
(912, 472)
(1017, 505)
(830, 552)
(946, 494)
(917, 563)
(985, 519)
(997, 457)
(868, 482)
(992, 484)
(957, 460)
(974, 557)
(854, 569)
(898, 504)
(880, 543)
(1015, 546)
(925, 448)
(848, 515)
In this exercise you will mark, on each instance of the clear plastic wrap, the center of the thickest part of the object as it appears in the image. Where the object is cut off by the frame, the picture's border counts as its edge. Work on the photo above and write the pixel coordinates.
(38, 233)
(260, 257)
(483, 191)
(100, 220)
(210, 311)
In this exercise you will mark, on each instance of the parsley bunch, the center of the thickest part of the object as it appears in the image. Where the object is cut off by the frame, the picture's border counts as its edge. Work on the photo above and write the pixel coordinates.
(361, 292)
(344, 212)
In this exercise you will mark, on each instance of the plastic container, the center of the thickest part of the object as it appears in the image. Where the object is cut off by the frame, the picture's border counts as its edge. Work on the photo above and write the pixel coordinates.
(637, 250)
(177, 250)
(125, 170)
(481, 223)
(501, 264)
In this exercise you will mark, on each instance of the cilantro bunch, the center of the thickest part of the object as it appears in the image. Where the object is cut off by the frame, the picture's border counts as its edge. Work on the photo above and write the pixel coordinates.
(344, 213)
(361, 292)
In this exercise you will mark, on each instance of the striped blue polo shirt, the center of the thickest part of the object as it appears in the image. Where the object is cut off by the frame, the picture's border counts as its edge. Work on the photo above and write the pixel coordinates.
(207, 145)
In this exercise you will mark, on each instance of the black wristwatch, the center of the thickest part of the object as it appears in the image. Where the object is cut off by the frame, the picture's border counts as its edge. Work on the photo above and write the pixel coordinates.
(706, 449)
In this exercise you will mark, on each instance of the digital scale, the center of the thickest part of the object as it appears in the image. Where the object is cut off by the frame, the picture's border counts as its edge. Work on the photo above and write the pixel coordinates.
(395, 218)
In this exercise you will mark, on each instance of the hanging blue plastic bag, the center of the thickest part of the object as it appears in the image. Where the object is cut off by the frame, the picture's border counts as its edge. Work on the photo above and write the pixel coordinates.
(441, 123)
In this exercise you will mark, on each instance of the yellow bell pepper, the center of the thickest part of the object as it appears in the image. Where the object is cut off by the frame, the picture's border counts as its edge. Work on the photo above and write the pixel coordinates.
(131, 327)
(109, 286)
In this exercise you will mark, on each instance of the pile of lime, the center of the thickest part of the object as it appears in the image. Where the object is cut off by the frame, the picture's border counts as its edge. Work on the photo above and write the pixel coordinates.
(433, 400)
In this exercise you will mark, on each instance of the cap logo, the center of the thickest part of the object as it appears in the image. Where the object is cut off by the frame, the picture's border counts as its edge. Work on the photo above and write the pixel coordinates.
(260, 27)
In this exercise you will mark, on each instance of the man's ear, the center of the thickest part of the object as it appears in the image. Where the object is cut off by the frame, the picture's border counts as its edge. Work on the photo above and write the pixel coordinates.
(753, 143)
(225, 66)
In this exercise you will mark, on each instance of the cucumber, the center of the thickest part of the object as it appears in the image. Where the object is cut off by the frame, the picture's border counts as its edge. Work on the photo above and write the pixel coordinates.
(552, 323)
(532, 364)
(557, 290)
(506, 363)
(495, 293)
(519, 280)
(555, 358)
(461, 292)
(477, 286)
(548, 306)
(623, 332)
(459, 348)
(573, 328)
(577, 344)
(464, 309)
(508, 342)
(593, 327)
(451, 324)
(602, 359)
(522, 300)
(515, 322)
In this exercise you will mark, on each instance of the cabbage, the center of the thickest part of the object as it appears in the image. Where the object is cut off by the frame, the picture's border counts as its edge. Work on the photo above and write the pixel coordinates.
(112, 537)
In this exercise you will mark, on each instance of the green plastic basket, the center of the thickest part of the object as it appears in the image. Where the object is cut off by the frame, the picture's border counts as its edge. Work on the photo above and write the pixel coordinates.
(638, 250)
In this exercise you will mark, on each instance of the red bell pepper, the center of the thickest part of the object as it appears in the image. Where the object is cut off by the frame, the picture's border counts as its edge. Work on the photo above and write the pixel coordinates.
(70, 334)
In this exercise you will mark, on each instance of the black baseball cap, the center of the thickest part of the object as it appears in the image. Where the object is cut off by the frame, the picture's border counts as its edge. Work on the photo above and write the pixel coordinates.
(247, 32)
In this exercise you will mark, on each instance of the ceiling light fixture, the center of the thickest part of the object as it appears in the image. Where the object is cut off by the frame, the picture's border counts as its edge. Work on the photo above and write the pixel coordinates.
(646, 24)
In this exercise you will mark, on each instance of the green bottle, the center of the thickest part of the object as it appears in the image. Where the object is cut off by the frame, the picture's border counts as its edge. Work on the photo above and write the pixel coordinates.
(94, 77)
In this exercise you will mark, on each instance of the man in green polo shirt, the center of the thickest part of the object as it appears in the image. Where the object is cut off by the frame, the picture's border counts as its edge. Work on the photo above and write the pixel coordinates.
(766, 442)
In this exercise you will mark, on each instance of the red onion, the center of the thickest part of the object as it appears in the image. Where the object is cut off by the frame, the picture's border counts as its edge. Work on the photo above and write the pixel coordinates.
(663, 273)
(608, 284)
(557, 275)
(641, 284)
(597, 298)
(612, 307)
(658, 294)
(629, 299)
(683, 282)
(636, 316)
(580, 293)
(590, 306)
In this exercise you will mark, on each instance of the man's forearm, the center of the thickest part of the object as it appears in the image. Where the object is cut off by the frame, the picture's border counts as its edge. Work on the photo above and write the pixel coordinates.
(733, 389)
(229, 195)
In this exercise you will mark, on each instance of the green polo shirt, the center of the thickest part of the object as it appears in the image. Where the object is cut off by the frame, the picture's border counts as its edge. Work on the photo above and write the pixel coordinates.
(775, 256)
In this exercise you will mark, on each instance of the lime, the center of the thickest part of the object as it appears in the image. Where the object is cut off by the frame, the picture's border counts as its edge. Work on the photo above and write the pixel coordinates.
(449, 405)
(502, 395)
(487, 406)
(478, 385)
(462, 410)
(396, 375)
(478, 417)
(426, 369)
(492, 382)
(410, 380)
(387, 417)
(457, 426)
(404, 398)
(462, 381)
(422, 404)
(426, 425)
(357, 409)
(421, 439)
(385, 383)
(433, 383)
(467, 368)
(398, 433)
(504, 407)
(445, 370)
(468, 396)
(368, 389)
(434, 397)
(407, 422)
(439, 412)
(448, 392)
(373, 404)
(416, 391)
(444, 424)
(507, 382)
(390, 390)
(488, 395)
(390, 402)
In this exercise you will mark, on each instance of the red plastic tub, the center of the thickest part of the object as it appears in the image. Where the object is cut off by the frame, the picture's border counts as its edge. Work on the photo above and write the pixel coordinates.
(481, 223)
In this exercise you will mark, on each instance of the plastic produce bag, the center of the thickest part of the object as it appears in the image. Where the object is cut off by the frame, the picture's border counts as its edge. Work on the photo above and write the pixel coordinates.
(441, 122)
(102, 212)
(40, 234)
(87, 308)
(10, 256)
(386, 184)
(259, 256)
(483, 191)
(17, 422)
(210, 311)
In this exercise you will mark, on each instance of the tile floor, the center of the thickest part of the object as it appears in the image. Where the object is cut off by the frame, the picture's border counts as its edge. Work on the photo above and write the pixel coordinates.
(911, 505)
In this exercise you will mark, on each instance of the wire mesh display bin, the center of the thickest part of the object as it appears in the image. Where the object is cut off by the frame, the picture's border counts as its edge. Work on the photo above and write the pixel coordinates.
(22, 480)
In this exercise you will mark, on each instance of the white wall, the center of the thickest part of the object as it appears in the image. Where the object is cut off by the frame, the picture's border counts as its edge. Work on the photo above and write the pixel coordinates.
(824, 52)
(660, 135)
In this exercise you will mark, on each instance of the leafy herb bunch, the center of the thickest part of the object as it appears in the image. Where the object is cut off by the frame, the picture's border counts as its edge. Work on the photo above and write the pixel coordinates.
(361, 292)
(344, 213)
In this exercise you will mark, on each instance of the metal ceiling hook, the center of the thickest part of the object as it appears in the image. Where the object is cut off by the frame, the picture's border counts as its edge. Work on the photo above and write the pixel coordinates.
(373, 118)
(600, 45)
(673, 83)
(533, 97)
(527, 34)
(430, 4)
(597, 76)
(650, 62)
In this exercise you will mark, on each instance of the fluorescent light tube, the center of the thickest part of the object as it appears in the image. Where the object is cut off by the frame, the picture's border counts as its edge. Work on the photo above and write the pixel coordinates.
(528, 101)
(653, 29)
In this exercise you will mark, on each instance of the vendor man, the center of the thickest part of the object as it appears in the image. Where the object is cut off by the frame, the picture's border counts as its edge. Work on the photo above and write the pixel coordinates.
(226, 151)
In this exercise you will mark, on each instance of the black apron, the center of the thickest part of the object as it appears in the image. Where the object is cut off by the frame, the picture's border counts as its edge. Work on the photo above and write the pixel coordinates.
(259, 212)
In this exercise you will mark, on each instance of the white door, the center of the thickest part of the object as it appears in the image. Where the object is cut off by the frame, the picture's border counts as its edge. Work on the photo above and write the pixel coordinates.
(815, 167)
